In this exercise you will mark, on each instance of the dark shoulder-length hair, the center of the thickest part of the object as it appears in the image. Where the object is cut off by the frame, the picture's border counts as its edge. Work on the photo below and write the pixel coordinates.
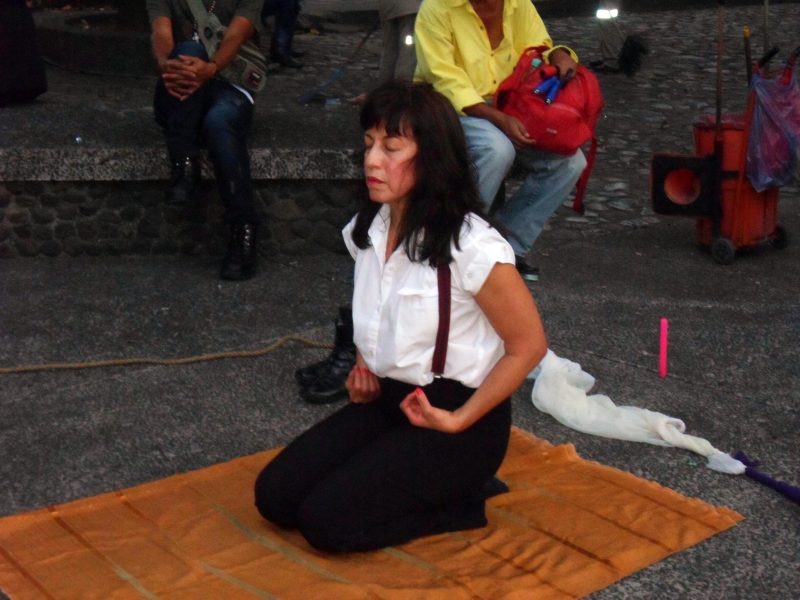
(444, 191)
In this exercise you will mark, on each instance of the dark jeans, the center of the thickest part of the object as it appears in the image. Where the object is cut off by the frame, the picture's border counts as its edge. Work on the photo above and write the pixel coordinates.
(365, 478)
(218, 116)
(285, 12)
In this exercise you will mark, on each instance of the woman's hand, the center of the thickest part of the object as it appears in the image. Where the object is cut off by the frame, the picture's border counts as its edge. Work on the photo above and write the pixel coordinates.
(421, 413)
(362, 385)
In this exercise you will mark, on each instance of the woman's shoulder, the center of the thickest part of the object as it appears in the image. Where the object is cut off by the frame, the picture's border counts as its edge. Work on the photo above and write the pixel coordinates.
(480, 241)
(480, 248)
(476, 230)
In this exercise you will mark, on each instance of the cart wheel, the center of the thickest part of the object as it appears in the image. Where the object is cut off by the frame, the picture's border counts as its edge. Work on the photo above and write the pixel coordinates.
(723, 251)
(781, 239)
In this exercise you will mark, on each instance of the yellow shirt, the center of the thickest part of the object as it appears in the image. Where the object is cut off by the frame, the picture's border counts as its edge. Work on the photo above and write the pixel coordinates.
(454, 53)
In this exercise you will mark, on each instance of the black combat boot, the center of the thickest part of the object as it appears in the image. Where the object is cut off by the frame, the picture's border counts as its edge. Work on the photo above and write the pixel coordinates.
(240, 259)
(323, 382)
(184, 179)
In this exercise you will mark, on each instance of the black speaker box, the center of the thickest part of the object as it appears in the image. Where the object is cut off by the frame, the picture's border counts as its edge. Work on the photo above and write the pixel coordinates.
(683, 185)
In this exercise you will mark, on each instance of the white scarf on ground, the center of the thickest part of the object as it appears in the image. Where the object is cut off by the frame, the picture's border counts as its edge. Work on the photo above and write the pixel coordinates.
(561, 390)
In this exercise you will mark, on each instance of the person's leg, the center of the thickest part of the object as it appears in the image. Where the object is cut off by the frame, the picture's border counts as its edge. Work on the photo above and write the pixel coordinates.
(225, 129)
(226, 126)
(181, 120)
(388, 50)
(286, 481)
(286, 12)
(492, 155)
(410, 482)
(406, 60)
(551, 178)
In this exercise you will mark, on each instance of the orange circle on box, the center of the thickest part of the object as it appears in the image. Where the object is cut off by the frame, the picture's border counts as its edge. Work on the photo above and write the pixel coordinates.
(682, 186)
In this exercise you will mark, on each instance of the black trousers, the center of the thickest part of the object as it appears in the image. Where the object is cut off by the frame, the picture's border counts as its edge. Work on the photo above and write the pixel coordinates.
(365, 478)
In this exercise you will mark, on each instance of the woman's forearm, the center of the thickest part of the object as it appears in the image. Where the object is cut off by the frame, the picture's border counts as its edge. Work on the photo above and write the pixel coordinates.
(503, 380)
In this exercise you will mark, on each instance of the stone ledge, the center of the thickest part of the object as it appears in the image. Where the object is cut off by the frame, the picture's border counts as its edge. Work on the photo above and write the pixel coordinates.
(73, 218)
(80, 163)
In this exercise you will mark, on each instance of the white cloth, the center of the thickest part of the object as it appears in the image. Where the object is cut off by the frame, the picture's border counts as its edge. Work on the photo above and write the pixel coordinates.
(396, 306)
(560, 391)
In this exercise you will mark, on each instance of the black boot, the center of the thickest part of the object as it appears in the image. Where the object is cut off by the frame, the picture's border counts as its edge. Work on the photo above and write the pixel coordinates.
(287, 60)
(342, 345)
(184, 179)
(323, 382)
(240, 259)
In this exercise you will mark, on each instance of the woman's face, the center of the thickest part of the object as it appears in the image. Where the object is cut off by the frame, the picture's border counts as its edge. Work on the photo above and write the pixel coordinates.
(389, 166)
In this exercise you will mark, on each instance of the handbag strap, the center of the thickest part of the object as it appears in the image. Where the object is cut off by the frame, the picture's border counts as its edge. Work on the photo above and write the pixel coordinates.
(199, 12)
(580, 187)
(201, 18)
(443, 332)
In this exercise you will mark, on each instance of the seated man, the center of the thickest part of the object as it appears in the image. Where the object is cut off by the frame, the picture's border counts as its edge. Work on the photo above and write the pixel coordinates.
(193, 104)
(465, 49)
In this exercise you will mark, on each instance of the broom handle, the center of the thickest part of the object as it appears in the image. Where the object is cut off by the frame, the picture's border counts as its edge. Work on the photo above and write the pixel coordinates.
(720, 32)
(748, 57)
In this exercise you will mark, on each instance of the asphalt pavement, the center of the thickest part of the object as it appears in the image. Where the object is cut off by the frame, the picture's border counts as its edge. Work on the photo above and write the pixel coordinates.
(607, 280)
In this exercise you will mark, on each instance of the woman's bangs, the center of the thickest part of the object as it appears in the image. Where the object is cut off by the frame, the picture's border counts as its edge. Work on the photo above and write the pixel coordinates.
(391, 113)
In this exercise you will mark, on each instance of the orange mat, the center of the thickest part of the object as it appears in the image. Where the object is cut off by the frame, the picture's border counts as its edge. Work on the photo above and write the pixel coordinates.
(567, 528)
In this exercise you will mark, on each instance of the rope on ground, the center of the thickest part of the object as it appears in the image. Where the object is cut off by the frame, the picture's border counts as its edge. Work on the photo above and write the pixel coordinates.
(184, 360)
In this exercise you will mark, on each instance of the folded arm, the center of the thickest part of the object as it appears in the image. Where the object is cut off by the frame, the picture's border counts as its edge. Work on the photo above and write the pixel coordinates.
(507, 303)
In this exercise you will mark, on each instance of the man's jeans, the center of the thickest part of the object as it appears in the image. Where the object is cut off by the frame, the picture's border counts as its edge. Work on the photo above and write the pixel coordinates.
(550, 179)
(218, 115)
(285, 12)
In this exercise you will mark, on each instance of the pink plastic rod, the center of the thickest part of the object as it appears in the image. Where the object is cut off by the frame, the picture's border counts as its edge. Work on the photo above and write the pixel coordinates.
(662, 347)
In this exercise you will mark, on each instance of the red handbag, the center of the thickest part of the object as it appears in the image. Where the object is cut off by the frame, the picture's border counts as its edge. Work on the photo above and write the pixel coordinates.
(561, 117)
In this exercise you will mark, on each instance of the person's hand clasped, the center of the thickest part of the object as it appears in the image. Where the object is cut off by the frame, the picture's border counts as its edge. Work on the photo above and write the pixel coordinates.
(184, 75)
(362, 385)
(422, 413)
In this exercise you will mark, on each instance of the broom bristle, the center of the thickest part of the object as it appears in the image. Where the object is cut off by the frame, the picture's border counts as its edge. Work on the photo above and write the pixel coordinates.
(631, 55)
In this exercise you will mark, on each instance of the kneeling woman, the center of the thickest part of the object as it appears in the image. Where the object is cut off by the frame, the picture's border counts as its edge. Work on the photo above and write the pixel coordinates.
(412, 453)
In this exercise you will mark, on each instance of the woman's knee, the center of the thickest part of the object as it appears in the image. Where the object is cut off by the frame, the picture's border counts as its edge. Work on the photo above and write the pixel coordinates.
(322, 527)
(271, 501)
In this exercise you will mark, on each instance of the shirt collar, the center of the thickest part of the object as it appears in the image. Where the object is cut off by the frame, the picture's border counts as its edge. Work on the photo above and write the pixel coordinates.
(378, 230)
(512, 4)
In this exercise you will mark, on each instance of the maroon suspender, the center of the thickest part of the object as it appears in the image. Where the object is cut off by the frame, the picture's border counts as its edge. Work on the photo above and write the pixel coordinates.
(442, 334)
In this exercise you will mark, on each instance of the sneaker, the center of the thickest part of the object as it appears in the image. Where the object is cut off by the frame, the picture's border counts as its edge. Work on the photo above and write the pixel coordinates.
(528, 272)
